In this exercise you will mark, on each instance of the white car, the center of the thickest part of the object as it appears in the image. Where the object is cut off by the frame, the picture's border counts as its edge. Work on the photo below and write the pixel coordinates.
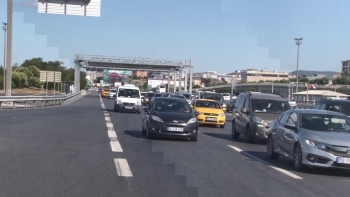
(128, 98)
(226, 96)
(111, 94)
(292, 103)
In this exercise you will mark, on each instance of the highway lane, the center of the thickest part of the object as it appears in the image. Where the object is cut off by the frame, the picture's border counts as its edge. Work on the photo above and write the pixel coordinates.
(66, 151)
(218, 170)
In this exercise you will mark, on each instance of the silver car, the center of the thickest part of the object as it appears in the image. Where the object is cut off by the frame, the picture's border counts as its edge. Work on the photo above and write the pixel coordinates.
(311, 138)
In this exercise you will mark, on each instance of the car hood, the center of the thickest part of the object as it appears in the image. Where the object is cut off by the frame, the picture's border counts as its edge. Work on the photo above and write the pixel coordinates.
(331, 138)
(171, 116)
(267, 117)
(209, 110)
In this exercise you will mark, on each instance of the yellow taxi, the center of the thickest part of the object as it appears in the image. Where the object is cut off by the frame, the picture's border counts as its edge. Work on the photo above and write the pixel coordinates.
(105, 93)
(209, 112)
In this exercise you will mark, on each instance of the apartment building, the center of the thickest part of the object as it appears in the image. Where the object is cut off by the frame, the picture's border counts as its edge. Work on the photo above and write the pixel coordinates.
(345, 65)
(253, 75)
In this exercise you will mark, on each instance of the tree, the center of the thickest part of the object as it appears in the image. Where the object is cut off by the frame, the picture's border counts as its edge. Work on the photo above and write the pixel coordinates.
(196, 86)
(340, 80)
(304, 79)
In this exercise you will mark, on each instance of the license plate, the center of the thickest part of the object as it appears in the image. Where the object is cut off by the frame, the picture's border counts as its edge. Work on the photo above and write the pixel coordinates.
(175, 129)
(128, 107)
(343, 160)
(211, 119)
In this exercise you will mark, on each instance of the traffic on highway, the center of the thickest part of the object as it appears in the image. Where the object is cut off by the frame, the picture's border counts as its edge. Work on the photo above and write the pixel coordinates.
(175, 147)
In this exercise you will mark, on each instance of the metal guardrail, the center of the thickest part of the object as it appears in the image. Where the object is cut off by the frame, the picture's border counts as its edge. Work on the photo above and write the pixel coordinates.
(11, 102)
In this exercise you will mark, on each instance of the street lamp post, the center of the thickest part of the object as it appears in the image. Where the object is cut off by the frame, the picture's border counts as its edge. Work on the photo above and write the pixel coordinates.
(4, 27)
(298, 42)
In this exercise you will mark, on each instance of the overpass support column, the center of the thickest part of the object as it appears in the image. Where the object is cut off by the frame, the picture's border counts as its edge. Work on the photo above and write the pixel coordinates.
(77, 77)
(174, 82)
(185, 80)
(190, 85)
(168, 90)
(180, 80)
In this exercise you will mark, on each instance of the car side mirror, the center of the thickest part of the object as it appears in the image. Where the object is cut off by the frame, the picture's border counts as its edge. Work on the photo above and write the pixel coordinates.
(196, 113)
(244, 110)
(289, 126)
(191, 106)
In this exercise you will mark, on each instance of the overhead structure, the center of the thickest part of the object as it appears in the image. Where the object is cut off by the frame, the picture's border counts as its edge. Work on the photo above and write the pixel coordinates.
(70, 7)
(132, 63)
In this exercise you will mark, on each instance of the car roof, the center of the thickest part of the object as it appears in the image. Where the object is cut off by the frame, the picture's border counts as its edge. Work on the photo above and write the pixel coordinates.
(317, 111)
(259, 95)
(333, 101)
(129, 87)
(205, 100)
(167, 98)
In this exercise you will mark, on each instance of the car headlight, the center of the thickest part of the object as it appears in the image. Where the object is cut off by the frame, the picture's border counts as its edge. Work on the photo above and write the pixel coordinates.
(315, 144)
(120, 102)
(221, 115)
(192, 120)
(224, 105)
(258, 120)
(156, 118)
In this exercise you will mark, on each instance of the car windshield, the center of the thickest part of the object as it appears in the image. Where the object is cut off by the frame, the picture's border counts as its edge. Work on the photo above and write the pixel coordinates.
(178, 96)
(226, 94)
(187, 96)
(325, 122)
(214, 97)
(341, 108)
(130, 93)
(113, 91)
(171, 105)
(269, 106)
(208, 104)
(150, 94)
(143, 94)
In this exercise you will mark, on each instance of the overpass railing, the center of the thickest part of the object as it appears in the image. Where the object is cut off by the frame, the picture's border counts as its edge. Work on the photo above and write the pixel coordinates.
(13, 102)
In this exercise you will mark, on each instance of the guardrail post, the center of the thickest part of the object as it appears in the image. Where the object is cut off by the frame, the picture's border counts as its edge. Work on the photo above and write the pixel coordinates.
(0, 105)
(14, 105)
(42, 103)
(34, 104)
(25, 104)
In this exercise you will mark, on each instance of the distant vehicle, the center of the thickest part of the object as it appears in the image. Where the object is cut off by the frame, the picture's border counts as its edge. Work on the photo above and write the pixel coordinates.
(253, 113)
(112, 93)
(226, 96)
(178, 96)
(160, 89)
(186, 95)
(334, 104)
(148, 97)
(214, 96)
(311, 137)
(105, 92)
(209, 112)
(230, 104)
(128, 98)
(169, 117)
(292, 103)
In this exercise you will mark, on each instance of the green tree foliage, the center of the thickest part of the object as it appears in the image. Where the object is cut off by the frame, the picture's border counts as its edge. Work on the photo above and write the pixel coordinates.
(343, 80)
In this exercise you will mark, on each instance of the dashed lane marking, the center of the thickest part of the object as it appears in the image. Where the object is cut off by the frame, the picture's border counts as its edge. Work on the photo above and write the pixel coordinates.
(265, 162)
(122, 167)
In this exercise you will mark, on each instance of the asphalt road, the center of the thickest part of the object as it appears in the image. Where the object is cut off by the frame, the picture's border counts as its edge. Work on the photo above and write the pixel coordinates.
(86, 149)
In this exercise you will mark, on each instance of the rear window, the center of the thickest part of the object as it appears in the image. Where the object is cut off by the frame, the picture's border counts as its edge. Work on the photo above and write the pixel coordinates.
(129, 93)
(226, 94)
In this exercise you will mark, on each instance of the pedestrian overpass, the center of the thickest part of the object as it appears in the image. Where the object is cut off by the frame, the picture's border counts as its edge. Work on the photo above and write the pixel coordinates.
(173, 67)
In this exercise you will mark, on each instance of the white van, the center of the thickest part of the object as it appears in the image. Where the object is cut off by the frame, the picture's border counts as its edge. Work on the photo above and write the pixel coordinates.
(128, 97)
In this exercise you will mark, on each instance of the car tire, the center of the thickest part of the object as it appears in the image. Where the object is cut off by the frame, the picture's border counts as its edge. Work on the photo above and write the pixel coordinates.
(248, 135)
(235, 134)
(148, 134)
(297, 158)
(270, 148)
(194, 138)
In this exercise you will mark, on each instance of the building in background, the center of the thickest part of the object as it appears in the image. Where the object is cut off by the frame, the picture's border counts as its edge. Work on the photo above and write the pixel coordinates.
(253, 75)
(345, 65)
(139, 73)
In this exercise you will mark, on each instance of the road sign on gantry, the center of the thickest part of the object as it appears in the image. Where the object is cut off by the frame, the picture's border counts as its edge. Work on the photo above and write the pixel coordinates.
(70, 7)
(51, 76)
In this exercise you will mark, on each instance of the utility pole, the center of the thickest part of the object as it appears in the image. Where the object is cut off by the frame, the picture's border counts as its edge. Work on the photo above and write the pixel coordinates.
(4, 27)
(298, 42)
(9, 47)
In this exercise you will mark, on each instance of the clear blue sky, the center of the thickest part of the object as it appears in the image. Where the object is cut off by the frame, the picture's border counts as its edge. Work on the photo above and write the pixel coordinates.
(220, 35)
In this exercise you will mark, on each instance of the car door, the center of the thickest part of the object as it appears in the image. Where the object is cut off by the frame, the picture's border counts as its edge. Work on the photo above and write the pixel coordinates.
(288, 134)
(278, 131)
(235, 113)
(240, 124)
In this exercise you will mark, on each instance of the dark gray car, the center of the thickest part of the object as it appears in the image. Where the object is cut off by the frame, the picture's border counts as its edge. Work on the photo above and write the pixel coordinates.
(253, 112)
(311, 137)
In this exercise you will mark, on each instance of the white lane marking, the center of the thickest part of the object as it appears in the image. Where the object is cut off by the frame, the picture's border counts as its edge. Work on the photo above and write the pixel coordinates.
(266, 163)
(109, 124)
(106, 114)
(122, 167)
(108, 119)
(116, 147)
(112, 134)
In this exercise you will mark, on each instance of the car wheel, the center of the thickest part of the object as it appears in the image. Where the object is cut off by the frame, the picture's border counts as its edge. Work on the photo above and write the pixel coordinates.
(148, 133)
(270, 148)
(248, 135)
(115, 108)
(297, 158)
(143, 131)
(235, 134)
(194, 138)
(223, 126)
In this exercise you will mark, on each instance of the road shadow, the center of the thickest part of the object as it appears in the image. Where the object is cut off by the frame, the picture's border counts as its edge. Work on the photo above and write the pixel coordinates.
(287, 164)
(228, 136)
(138, 134)
(122, 112)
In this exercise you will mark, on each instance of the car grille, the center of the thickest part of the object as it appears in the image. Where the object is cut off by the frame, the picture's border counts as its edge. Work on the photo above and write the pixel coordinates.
(129, 104)
(341, 151)
(210, 114)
